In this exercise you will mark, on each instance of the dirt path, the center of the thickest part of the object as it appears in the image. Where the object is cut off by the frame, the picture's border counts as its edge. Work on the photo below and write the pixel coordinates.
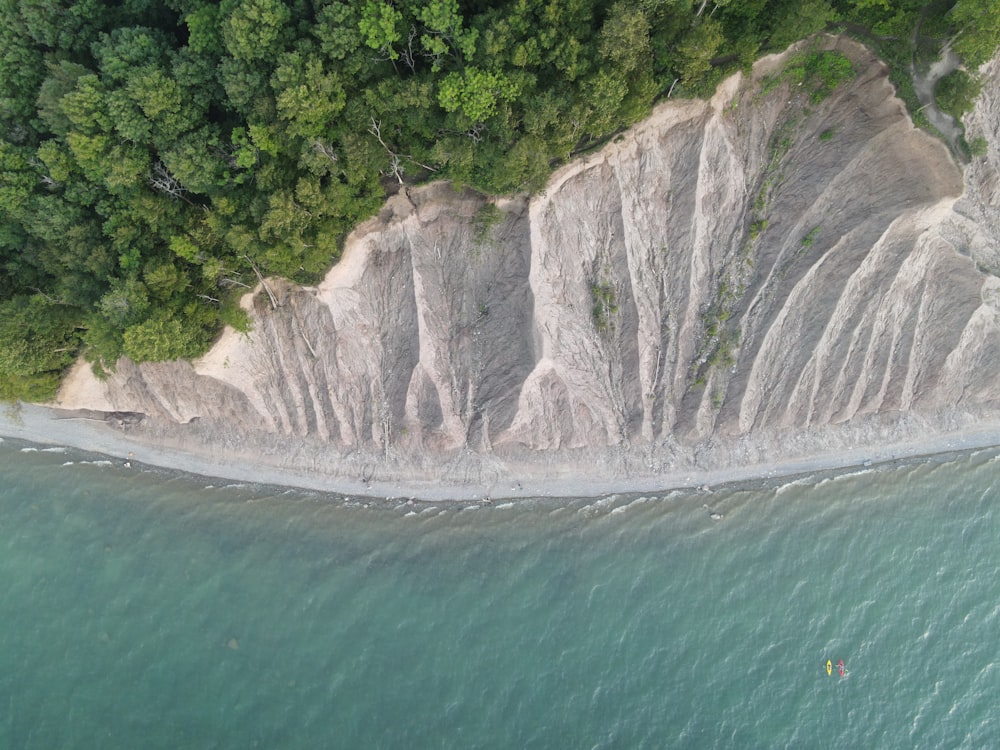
(924, 85)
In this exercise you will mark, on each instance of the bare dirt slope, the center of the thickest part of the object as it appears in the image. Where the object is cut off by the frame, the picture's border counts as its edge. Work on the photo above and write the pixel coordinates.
(753, 276)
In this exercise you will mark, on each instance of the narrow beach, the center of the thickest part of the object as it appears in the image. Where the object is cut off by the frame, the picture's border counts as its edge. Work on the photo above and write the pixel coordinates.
(46, 426)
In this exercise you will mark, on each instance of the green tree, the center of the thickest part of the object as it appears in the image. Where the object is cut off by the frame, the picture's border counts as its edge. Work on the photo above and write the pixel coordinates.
(164, 103)
(21, 71)
(246, 89)
(38, 340)
(67, 25)
(121, 52)
(444, 32)
(380, 26)
(18, 180)
(337, 30)
(125, 303)
(204, 34)
(799, 19)
(61, 80)
(254, 29)
(474, 93)
(624, 38)
(196, 161)
(956, 93)
(162, 337)
(977, 25)
(165, 280)
(697, 50)
(86, 106)
(308, 97)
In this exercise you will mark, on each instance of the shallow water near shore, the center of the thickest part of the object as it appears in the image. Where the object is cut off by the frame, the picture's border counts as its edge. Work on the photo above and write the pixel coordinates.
(147, 609)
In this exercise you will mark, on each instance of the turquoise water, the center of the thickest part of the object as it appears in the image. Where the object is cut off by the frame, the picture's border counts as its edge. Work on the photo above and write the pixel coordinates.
(143, 609)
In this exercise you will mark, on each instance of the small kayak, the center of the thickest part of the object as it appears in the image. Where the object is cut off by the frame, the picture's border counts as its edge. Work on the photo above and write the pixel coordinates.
(829, 667)
(840, 667)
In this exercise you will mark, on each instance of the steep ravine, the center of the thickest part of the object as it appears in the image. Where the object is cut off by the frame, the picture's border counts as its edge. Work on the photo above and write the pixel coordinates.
(732, 279)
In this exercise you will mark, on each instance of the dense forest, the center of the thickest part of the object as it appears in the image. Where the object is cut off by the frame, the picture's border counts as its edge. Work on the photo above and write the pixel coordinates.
(158, 157)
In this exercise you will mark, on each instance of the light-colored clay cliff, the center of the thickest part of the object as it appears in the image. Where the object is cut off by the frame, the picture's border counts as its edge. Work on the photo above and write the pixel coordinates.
(730, 279)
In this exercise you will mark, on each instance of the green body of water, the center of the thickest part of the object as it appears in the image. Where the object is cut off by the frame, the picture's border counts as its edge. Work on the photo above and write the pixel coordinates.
(143, 610)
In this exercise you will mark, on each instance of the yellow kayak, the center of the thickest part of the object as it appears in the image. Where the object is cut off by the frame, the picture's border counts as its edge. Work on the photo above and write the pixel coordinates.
(829, 667)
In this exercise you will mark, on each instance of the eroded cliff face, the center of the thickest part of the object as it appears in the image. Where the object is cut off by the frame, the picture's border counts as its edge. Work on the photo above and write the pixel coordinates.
(756, 265)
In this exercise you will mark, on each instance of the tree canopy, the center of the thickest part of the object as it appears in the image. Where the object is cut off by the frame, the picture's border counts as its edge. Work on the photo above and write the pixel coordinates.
(157, 155)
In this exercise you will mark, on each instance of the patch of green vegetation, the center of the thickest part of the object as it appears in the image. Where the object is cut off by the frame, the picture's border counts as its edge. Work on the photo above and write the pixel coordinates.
(808, 240)
(781, 143)
(969, 150)
(956, 93)
(975, 29)
(720, 340)
(900, 78)
(978, 147)
(486, 219)
(757, 227)
(828, 134)
(41, 345)
(604, 306)
(718, 396)
(760, 202)
(818, 73)
(723, 355)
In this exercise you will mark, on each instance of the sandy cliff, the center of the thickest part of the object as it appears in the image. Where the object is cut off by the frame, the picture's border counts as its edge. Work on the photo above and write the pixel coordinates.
(730, 279)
